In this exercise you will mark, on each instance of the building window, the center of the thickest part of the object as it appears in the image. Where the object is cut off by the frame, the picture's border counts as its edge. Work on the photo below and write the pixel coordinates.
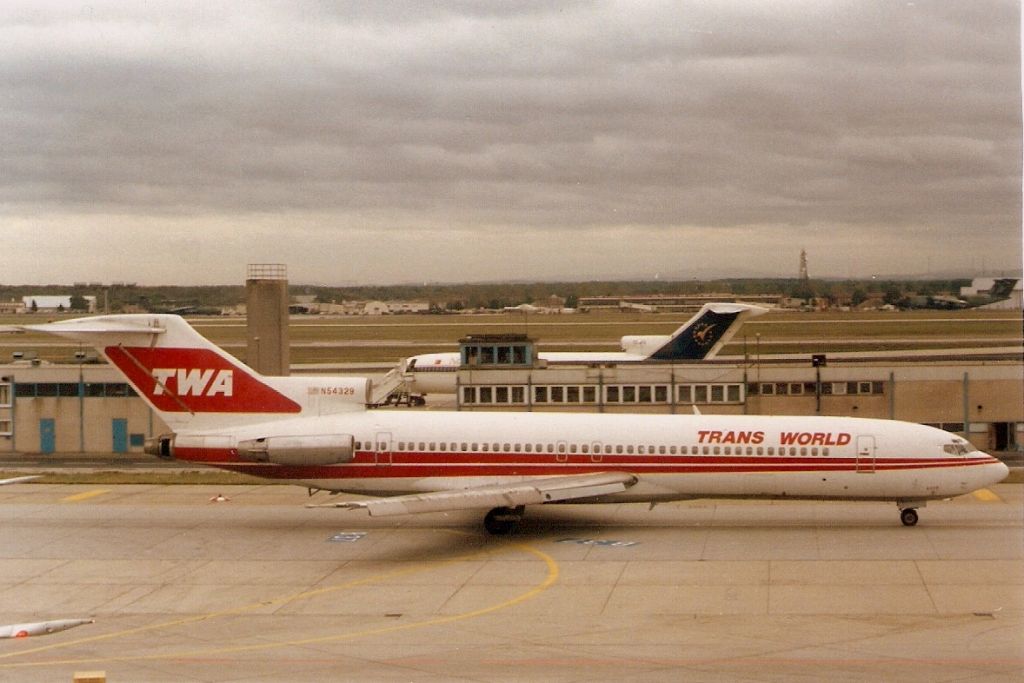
(119, 390)
(685, 393)
(629, 394)
(661, 394)
(612, 395)
(485, 395)
(46, 389)
(557, 394)
(540, 394)
(700, 394)
(501, 395)
(518, 395)
(572, 394)
(589, 394)
(469, 394)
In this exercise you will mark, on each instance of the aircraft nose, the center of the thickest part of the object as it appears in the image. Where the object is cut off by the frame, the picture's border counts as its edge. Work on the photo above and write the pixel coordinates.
(1004, 471)
(998, 470)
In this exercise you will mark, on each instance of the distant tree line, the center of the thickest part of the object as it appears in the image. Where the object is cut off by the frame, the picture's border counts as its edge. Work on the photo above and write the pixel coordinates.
(458, 297)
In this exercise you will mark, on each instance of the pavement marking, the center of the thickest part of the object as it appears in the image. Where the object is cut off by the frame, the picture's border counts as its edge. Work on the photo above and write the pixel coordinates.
(549, 580)
(86, 495)
(987, 496)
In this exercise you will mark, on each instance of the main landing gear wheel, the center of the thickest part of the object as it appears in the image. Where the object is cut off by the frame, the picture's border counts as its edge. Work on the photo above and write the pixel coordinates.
(503, 521)
(908, 516)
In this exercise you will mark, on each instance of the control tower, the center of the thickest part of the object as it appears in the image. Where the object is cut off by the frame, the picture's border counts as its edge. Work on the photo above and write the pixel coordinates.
(266, 289)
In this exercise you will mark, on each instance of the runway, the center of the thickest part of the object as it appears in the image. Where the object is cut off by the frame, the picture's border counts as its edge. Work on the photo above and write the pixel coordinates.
(260, 588)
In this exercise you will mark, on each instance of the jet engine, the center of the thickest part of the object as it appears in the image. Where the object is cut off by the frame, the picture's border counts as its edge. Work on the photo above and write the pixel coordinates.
(318, 449)
(643, 344)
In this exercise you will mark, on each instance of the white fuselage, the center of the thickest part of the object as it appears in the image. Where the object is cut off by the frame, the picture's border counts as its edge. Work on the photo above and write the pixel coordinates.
(673, 456)
(435, 373)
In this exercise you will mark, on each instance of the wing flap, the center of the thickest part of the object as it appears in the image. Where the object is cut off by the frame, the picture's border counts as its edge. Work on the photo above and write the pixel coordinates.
(528, 492)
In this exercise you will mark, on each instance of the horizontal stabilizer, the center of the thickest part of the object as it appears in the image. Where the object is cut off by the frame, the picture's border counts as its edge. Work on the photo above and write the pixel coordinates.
(528, 492)
(94, 326)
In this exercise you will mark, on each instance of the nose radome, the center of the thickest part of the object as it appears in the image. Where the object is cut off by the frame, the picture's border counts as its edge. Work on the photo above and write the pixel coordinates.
(999, 471)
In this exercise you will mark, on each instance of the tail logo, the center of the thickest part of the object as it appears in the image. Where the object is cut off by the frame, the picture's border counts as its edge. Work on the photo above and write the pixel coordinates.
(702, 334)
(194, 382)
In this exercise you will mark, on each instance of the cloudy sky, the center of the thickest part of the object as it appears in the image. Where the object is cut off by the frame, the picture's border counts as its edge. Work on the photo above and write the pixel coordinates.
(359, 142)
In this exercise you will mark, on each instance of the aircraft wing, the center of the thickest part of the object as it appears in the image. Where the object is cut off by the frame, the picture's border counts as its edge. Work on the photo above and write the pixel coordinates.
(526, 492)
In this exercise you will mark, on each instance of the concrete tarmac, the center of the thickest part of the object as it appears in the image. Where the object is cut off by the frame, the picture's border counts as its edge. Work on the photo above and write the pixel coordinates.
(259, 588)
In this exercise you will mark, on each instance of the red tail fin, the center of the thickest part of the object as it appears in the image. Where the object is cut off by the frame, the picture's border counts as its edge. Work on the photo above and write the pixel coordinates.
(196, 381)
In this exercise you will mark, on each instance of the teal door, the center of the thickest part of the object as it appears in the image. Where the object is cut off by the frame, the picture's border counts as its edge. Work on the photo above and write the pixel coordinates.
(47, 435)
(120, 433)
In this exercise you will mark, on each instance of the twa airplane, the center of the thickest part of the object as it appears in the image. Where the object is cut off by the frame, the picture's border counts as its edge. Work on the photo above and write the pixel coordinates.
(317, 432)
(699, 338)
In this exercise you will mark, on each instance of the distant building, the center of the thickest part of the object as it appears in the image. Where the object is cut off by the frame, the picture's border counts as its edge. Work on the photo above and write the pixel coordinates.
(393, 307)
(52, 303)
(8, 307)
(370, 307)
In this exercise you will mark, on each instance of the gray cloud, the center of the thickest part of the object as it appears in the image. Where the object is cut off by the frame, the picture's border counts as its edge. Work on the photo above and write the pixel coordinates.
(735, 124)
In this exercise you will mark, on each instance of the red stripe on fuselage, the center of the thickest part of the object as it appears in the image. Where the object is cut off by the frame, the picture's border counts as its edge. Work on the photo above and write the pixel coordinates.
(412, 465)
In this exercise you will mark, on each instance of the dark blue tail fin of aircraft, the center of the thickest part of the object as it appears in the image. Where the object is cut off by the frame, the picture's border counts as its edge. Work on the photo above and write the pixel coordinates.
(704, 335)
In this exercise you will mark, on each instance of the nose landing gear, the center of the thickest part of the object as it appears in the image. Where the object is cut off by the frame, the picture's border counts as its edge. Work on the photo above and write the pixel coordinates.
(908, 516)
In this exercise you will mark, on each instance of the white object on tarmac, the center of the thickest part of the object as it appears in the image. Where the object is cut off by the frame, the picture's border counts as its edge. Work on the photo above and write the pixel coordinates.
(19, 480)
(41, 628)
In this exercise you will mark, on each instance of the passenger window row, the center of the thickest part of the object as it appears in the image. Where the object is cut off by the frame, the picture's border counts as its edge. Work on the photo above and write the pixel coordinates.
(588, 449)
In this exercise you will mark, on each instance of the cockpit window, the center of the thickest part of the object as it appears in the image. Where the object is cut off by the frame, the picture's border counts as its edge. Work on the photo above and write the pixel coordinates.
(956, 449)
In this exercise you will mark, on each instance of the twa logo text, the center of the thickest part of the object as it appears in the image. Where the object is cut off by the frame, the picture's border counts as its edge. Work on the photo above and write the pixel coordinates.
(193, 382)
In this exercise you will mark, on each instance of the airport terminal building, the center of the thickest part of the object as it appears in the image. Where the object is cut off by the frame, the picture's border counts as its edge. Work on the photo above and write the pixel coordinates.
(88, 408)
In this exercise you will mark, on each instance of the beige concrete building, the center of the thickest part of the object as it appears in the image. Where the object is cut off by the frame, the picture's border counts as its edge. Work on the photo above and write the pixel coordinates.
(88, 408)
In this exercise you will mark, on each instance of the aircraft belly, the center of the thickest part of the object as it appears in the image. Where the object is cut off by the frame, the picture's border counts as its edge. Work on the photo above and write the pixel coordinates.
(820, 484)
(877, 485)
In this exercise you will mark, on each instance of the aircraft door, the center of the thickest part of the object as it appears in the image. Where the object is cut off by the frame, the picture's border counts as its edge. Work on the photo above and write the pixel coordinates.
(865, 453)
(561, 451)
(382, 449)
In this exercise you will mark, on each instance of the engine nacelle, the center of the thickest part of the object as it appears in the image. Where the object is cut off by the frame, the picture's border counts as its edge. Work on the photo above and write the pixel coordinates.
(161, 446)
(318, 449)
(643, 344)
